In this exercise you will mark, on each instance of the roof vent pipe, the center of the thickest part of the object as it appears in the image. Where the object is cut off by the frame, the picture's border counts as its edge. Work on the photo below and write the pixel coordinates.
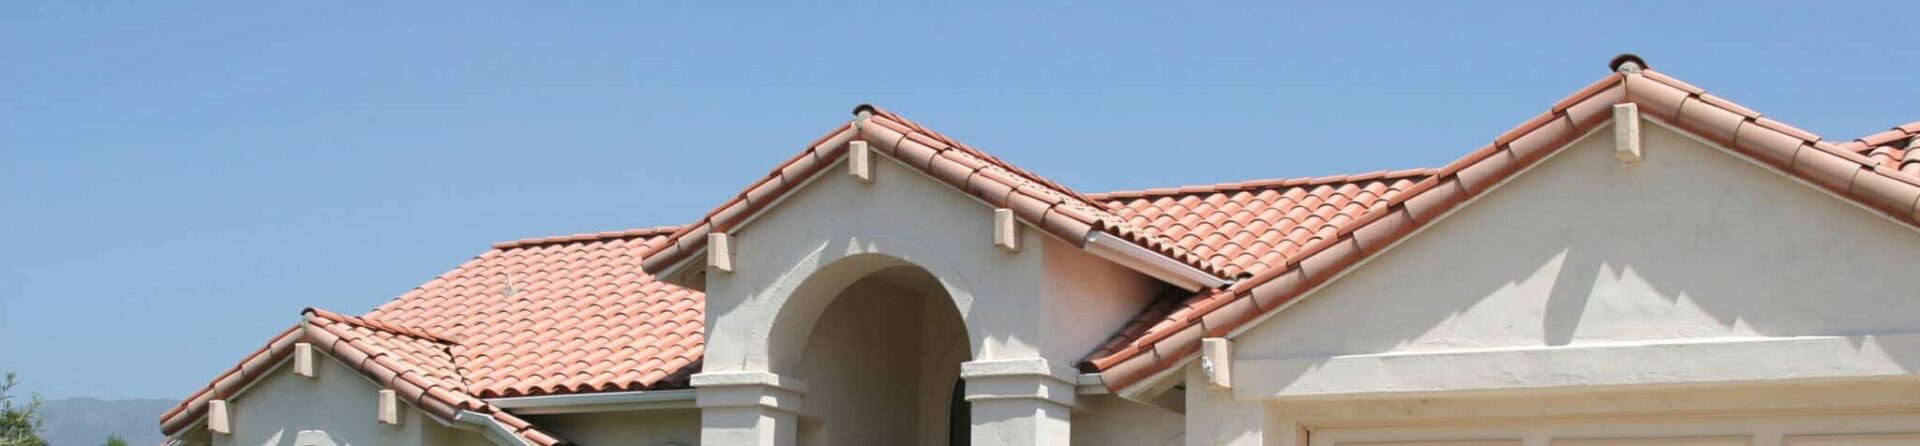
(860, 114)
(1627, 63)
(1911, 162)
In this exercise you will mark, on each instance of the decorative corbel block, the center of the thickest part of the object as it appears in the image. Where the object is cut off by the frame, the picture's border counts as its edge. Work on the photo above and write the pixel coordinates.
(860, 161)
(1006, 230)
(1626, 133)
(303, 359)
(1216, 361)
(389, 407)
(720, 251)
(219, 419)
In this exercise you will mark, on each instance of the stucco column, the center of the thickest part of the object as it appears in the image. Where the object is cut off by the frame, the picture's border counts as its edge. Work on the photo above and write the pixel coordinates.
(1023, 402)
(1215, 417)
(748, 408)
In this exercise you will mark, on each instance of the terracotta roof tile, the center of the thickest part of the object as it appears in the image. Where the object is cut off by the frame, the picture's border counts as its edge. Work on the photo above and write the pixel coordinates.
(528, 313)
(1897, 149)
(1238, 224)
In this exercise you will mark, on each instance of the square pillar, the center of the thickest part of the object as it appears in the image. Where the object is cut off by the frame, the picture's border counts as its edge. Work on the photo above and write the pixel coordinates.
(748, 408)
(1216, 417)
(1019, 402)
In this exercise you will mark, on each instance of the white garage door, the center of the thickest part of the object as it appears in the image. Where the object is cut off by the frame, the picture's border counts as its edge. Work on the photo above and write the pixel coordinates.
(1880, 429)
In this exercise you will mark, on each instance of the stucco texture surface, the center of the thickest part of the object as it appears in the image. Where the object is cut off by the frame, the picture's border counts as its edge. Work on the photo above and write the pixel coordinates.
(674, 427)
(1692, 244)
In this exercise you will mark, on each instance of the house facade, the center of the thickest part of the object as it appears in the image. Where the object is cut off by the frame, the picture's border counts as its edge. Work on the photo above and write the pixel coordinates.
(1644, 263)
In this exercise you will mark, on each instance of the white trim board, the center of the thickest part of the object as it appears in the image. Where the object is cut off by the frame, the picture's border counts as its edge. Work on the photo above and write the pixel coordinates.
(1703, 362)
(598, 402)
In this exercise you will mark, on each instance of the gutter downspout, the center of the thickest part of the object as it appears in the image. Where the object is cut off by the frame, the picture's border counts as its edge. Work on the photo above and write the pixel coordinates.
(487, 424)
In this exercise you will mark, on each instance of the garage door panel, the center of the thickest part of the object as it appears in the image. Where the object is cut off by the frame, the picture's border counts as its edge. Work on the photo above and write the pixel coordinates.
(1438, 443)
(1830, 429)
(1413, 437)
(1898, 439)
(1657, 441)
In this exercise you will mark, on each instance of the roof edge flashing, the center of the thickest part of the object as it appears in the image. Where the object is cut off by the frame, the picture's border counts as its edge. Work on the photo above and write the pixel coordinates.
(1139, 258)
(597, 402)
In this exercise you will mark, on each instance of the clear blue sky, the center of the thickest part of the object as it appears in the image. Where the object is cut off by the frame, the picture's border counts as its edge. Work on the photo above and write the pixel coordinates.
(178, 180)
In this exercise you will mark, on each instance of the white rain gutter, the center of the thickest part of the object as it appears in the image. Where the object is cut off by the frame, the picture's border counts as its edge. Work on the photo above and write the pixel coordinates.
(486, 423)
(1154, 264)
(597, 402)
(1089, 384)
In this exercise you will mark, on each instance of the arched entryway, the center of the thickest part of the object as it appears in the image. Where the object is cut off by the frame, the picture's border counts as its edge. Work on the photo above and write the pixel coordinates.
(881, 363)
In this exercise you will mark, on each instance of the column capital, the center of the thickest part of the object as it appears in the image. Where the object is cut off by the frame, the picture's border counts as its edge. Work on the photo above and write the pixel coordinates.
(1033, 379)
(748, 389)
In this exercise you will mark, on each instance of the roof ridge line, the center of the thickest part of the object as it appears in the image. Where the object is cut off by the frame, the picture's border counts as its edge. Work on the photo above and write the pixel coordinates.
(588, 236)
(1042, 203)
(381, 326)
(1002, 164)
(1882, 138)
(1265, 184)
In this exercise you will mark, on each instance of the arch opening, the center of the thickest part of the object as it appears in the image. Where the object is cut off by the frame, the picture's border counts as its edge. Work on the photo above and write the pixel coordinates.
(881, 360)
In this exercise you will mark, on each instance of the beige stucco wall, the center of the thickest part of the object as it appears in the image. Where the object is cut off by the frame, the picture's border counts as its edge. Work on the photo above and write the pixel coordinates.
(276, 411)
(1108, 420)
(1690, 244)
(1215, 417)
(1772, 414)
(1587, 287)
(676, 427)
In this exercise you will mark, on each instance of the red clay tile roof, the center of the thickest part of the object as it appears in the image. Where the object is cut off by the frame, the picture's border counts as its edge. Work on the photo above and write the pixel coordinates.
(1897, 148)
(1044, 204)
(1251, 226)
(581, 317)
(1132, 357)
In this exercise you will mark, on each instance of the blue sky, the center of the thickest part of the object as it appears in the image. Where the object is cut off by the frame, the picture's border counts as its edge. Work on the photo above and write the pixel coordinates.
(178, 180)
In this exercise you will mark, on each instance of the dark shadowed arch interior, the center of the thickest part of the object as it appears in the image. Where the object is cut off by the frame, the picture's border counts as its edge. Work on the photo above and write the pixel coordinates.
(881, 363)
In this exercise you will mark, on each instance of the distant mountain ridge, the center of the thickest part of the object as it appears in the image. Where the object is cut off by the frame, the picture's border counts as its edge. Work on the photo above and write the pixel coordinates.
(88, 421)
